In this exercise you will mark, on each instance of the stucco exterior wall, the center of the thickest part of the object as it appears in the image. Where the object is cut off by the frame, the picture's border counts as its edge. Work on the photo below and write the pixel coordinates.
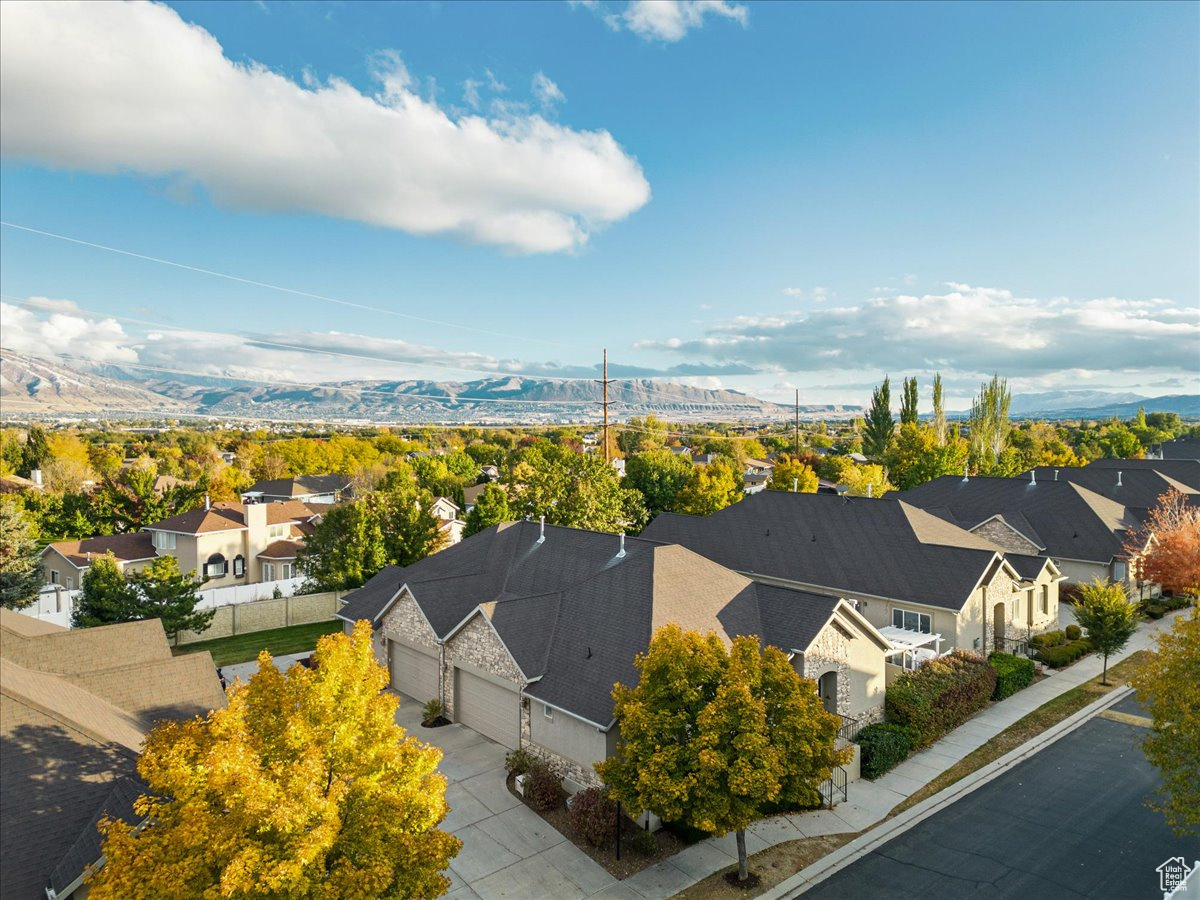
(1080, 572)
(572, 743)
(859, 663)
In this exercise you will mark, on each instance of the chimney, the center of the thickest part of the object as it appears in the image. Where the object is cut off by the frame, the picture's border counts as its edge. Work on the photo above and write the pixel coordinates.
(965, 477)
(1032, 477)
(542, 534)
(1118, 479)
(621, 552)
(255, 516)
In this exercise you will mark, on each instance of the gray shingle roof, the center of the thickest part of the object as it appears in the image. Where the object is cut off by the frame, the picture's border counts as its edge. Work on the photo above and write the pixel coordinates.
(301, 485)
(1070, 521)
(882, 547)
(1185, 471)
(1138, 488)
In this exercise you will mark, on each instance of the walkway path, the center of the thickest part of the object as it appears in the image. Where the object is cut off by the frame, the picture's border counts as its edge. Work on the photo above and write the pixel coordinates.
(870, 801)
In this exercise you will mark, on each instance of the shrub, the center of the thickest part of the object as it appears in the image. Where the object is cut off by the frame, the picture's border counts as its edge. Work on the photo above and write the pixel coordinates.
(1012, 673)
(543, 787)
(433, 710)
(1073, 632)
(1048, 639)
(940, 695)
(644, 842)
(519, 761)
(686, 833)
(883, 747)
(1155, 610)
(594, 817)
(1064, 655)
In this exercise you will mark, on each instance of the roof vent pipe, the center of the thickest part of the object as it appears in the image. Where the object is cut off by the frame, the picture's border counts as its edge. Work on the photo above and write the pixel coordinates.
(621, 552)
(870, 488)
(965, 478)
(207, 502)
(1118, 479)
(795, 485)
(542, 533)
(1032, 477)
(1056, 474)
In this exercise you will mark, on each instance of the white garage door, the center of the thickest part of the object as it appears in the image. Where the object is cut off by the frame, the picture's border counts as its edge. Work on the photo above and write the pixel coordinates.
(413, 673)
(489, 708)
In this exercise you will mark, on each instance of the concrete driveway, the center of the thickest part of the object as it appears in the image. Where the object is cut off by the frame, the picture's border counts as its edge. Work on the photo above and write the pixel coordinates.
(508, 850)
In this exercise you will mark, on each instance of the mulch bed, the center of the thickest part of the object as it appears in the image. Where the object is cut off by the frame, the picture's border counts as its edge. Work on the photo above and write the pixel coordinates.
(436, 723)
(631, 861)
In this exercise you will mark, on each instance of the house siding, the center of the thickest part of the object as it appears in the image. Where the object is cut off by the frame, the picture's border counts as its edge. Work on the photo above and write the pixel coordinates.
(570, 742)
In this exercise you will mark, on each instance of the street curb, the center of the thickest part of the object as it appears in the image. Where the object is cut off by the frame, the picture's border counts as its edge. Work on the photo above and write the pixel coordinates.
(883, 832)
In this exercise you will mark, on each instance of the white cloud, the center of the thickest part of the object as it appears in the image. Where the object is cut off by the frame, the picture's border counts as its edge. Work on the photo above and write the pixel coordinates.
(107, 87)
(670, 20)
(966, 331)
(664, 20)
(797, 293)
(63, 331)
(547, 92)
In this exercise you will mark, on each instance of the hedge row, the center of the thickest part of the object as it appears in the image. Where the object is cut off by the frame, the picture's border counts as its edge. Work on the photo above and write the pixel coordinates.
(1012, 674)
(883, 747)
(1048, 639)
(1064, 654)
(940, 695)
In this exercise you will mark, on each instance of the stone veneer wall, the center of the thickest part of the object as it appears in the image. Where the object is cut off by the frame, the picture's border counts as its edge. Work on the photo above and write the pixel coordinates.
(999, 533)
(831, 652)
(478, 645)
(1000, 589)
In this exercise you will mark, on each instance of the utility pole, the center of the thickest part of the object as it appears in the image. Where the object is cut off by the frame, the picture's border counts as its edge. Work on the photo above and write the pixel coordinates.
(797, 422)
(605, 382)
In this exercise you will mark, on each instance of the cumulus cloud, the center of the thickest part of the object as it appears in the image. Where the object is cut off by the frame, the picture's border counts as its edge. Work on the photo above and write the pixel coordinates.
(63, 330)
(107, 87)
(664, 20)
(548, 93)
(966, 330)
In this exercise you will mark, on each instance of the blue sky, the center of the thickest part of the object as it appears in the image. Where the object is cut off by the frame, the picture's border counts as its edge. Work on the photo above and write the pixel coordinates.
(758, 196)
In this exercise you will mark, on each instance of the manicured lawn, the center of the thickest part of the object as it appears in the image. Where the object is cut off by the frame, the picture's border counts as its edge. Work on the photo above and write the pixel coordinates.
(278, 641)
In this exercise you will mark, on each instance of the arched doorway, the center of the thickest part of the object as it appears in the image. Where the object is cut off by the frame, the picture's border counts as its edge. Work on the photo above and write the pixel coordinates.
(827, 688)
(999, 616)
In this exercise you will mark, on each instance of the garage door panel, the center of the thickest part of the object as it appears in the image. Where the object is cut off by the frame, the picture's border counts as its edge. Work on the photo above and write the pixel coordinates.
(487, 707)
(413, 673)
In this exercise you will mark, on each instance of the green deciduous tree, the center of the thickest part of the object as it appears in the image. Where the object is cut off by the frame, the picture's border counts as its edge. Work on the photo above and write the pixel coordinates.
(574, 489)
(867, 480)
(877, 432)
(1168, 684)
(106, 597)
(709, 737)
(989, 424)
(129, 501)
(790, 474)
(659, 475)
(916, 456)
(20, 560)
(713, 487)
(939, 410)
(908, 403)
(1108, 616)
(303, 787)
(491, 508)
(641, 434)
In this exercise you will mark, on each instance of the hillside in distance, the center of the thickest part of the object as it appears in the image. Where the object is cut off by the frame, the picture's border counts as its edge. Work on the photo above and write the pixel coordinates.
(32, 385)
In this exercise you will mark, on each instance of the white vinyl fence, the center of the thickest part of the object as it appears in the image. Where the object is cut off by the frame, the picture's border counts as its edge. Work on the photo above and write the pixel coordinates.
(55, 603)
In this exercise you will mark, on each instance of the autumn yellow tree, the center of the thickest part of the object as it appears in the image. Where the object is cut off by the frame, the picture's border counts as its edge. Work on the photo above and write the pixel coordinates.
(302, 787)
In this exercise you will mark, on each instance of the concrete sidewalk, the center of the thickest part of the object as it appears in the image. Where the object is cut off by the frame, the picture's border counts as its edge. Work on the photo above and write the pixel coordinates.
(870, 801)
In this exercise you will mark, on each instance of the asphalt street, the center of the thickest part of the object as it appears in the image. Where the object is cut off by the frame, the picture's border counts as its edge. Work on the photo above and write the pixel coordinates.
(1070, 822)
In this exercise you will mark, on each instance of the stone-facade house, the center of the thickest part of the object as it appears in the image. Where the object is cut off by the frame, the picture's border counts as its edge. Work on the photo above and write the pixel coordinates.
(899, 566)
(521, 632)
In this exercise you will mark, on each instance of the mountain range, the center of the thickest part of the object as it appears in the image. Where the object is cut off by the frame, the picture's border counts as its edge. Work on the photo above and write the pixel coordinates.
(31, 385)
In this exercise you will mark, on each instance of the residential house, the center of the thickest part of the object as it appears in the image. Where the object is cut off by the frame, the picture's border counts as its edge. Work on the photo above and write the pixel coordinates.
(304, 488)
(224, 543)
(471, 497)
(898, 565)
(1180, 448)
(754, 482)
(522, 630)
(1136, 489)
(76, 706)
(1081, 530)
(450, 522)
(759, 466)
(491, 473)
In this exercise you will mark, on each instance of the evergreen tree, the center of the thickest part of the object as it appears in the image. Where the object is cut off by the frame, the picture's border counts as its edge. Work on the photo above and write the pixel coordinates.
(20, 559)
(877, 432)
(163, 592)
(37, 450)
(908, 404)
(107, 598)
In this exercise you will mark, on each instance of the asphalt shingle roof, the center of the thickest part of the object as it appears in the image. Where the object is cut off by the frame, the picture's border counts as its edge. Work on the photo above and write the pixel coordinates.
(1070, 521)
(1185, 471)
(126, 547)
(882, 547)
(1138, 488)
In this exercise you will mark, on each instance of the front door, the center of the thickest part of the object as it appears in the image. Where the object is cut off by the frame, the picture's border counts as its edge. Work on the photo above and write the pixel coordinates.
(827, 687)
(998, 621)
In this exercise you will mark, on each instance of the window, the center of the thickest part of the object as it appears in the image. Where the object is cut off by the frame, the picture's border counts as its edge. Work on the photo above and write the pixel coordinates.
(1045, 599)
(164, 540)
(275, 532)
(1118, 571)
(547, 712)
(286, 570)
(268, 571)
(1016, 608)
(912, 621)
(215, 567)
(70, 583)
(54, 576)
(239, 566)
